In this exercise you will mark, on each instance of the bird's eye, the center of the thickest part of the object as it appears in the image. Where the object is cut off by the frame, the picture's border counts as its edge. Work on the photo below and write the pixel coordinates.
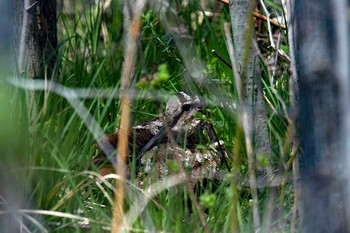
(186, 107)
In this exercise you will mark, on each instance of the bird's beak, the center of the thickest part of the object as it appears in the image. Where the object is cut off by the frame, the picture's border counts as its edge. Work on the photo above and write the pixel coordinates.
(153, 142)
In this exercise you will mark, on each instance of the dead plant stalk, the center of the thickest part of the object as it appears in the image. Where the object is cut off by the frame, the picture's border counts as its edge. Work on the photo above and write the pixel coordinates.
(127, 73)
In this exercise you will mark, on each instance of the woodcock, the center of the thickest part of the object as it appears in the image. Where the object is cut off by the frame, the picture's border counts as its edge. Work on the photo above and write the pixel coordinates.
(150, 147)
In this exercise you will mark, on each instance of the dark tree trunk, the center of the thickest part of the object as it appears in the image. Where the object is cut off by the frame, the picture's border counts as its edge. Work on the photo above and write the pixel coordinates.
(36, 37)
(322, 56)
(6, 38)
(13, 184)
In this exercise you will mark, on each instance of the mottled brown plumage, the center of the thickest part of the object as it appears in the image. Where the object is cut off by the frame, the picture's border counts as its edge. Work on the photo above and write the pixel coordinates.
(180, 118)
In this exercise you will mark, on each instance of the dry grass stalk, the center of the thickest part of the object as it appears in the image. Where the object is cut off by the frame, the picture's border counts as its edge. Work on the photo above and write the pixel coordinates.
(127, 74)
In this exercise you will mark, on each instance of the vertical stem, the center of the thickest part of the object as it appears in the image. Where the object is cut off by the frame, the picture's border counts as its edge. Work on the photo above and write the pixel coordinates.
(22, 43)
(133, 31)
(122, 154)
(234, 184)
(296, 194)
(247, 130)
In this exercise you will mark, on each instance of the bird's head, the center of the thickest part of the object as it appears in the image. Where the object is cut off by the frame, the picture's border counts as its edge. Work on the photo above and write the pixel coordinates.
(181, 108)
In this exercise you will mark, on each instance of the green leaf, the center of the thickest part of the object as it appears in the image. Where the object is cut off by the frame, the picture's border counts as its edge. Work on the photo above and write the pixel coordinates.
(207, 199)
(262, 158)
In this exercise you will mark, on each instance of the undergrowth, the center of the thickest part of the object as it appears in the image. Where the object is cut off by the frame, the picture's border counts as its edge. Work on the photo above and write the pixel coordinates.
(90, 55)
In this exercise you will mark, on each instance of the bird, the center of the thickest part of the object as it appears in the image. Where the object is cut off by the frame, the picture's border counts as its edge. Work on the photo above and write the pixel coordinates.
(179, 120)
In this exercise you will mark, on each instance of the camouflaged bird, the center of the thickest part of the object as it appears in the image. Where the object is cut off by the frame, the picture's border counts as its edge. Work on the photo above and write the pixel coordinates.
(150, 139)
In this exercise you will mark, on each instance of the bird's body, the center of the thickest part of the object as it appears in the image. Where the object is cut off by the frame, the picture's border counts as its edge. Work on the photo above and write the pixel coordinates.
(179, 120)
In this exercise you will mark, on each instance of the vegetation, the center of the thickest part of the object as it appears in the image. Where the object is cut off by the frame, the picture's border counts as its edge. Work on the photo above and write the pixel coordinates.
(59, 143)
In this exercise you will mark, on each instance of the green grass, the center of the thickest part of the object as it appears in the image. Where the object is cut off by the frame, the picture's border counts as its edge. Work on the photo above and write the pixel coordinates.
(59, 147)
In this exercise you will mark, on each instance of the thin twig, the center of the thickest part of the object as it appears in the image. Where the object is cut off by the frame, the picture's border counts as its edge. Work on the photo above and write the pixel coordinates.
(272, 43)
(262, 17)
(221, 58)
